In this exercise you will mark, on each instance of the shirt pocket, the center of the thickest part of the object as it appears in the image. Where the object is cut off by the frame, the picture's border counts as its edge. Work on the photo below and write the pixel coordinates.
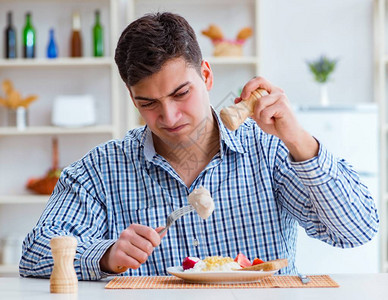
(149, 211)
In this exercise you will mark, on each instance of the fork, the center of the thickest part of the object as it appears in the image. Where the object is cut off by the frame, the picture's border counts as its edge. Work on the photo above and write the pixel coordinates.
(175, 215)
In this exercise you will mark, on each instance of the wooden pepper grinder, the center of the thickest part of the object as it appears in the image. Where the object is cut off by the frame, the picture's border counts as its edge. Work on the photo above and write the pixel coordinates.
(233, 116)
(63, 279)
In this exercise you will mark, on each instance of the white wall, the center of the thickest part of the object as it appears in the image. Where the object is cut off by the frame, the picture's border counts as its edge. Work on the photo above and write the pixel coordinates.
(299, 30)
(341, 132)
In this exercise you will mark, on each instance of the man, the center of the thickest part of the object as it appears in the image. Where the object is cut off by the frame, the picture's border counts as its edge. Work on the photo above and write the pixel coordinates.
(265, 177)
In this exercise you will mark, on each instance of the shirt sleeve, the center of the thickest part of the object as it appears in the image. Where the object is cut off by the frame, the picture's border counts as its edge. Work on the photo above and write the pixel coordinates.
(325, 195)
(73, 209)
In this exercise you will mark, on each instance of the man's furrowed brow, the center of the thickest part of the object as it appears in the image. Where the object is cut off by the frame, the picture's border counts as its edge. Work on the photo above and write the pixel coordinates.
(169, 95)
(145, 98)
(178, 88)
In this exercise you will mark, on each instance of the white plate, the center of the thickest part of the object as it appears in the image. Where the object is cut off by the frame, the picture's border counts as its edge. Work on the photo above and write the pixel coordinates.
(220, 277)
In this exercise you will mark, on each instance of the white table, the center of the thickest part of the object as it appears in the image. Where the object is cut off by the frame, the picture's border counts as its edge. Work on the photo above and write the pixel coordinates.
(352, 287)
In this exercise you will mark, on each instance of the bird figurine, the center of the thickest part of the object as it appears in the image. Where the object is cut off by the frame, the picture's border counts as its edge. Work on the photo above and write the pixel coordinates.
(227, 47)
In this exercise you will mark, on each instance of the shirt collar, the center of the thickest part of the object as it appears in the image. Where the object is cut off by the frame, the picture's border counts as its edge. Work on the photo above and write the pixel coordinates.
(229, 138)
(147, 142)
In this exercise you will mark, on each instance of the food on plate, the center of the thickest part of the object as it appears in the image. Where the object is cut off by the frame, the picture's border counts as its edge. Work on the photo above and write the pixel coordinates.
(242, 260)
(203, 203)
(226, 264)
(270, 265)
(189, 262)
(257, 261)
(214, 264)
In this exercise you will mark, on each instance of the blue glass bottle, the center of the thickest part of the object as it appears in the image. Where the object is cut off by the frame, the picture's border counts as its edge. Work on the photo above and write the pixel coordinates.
(52, 49)
(10, 38)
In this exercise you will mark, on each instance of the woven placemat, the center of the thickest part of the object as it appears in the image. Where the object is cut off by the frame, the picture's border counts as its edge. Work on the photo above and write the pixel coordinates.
(170, 282)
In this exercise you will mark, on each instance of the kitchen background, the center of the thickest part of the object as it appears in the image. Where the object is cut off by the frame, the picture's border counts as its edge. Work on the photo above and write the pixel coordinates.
(286, 36)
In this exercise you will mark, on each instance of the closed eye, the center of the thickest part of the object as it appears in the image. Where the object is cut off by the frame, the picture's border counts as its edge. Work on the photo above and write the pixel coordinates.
(178, 95)
(147, 104)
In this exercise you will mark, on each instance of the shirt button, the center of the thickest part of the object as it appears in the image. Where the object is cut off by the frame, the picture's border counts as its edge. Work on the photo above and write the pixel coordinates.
(195, 243)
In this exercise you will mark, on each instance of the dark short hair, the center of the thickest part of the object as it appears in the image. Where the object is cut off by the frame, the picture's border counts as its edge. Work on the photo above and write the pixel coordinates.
(150, 41)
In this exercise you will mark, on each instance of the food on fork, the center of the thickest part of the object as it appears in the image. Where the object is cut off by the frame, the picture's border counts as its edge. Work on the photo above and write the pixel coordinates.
(203, 203)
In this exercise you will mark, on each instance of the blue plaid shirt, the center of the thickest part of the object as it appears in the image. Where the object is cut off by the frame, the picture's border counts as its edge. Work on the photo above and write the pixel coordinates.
(260, 196)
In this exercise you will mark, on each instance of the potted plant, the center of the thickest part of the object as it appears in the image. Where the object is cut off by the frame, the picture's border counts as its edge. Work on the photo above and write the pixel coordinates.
(322, 69)
(16, 105)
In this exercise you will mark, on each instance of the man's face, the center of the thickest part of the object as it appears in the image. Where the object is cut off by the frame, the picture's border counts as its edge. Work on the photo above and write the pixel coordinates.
(174, 101)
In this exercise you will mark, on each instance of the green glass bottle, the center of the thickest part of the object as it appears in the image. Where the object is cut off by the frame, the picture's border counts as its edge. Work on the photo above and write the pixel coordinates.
(98, 37)
(29, 38)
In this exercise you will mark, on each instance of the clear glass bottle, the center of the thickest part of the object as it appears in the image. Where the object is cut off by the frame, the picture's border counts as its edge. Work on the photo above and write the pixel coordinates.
(29, 38)
(10, 38)
(52, 49)
(76, 39)
(98, 36)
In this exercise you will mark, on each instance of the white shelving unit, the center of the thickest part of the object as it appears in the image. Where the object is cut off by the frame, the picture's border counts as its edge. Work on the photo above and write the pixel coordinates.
(58, 62)
(51, 130)
(24, 199)
(248, 60)
(381, 84)
(29, 150)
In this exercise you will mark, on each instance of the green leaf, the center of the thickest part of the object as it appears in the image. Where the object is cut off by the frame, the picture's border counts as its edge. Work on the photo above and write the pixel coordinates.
(322, 68)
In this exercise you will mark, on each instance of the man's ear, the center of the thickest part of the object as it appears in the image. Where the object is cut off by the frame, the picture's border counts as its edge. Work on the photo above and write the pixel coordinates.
(207, 74)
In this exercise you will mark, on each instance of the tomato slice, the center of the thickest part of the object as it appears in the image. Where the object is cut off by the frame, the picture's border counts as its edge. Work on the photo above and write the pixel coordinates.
(257, 261)
(242, 260)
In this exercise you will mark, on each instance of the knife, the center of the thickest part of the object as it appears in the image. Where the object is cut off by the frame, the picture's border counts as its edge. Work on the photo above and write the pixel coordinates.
(303, 278)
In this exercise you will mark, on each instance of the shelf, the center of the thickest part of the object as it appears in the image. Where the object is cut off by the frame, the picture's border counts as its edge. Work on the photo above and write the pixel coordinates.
(9, 269)
(56, 62)
(380, 85)
(23, 199)
(52, 130)
(232, 60)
